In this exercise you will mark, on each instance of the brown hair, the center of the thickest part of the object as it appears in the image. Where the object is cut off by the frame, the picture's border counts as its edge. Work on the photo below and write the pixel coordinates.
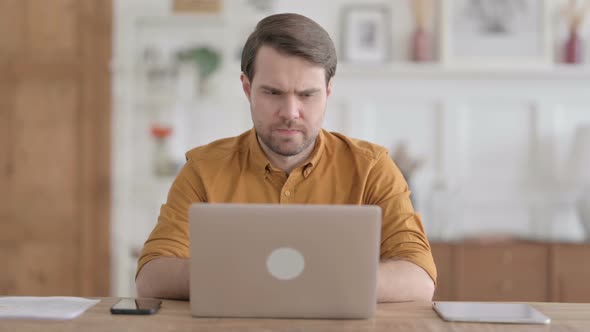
(291, 34)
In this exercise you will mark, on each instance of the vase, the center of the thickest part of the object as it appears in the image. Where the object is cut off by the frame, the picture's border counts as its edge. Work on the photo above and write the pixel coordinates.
(161, 158)
(420, 46)
(573, 48)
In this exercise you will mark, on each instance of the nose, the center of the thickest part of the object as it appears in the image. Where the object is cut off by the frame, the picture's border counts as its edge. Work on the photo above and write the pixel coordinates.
(290, 107)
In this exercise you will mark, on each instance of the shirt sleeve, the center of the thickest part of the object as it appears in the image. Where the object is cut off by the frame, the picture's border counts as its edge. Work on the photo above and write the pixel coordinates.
(402, 232)
(170, 237)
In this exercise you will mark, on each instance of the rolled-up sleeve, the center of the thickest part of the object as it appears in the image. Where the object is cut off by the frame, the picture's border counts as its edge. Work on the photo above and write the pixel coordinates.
(170, 236)
(402, 232)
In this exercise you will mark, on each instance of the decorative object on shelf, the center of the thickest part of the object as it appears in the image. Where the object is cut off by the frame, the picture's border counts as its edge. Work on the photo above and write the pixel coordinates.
(580, 175)
(159, 73)
(264, 6)
(197, 6)
(164, 164)
(575, 15)
(420, 42)
(496, 33)
(407, 164)
(366, 33)
(207, 61)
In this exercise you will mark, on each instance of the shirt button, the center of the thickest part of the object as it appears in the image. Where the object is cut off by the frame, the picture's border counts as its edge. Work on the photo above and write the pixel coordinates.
(287, 193)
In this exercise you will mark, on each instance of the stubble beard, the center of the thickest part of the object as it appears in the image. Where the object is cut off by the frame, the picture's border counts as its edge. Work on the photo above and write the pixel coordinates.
(283, 146)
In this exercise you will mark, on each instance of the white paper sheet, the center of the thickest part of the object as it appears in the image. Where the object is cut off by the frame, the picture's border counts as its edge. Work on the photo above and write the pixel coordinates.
(59, 307)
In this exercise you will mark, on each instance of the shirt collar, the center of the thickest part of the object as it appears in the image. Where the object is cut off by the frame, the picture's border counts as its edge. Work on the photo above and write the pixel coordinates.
(315, 156)
(258, 159)
(260, 162)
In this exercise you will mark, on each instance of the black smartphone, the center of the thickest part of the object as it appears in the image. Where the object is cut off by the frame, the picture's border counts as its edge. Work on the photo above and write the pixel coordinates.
(136, 307)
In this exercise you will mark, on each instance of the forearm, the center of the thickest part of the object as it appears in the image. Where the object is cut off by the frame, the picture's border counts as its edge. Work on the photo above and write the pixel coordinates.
(165, 277)
(400, 281)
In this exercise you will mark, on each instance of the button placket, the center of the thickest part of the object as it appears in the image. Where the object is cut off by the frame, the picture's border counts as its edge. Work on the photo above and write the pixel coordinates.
(287, 191)
(285, 195)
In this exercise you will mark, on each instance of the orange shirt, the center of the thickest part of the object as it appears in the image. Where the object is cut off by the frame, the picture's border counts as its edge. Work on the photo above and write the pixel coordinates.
(340, 170)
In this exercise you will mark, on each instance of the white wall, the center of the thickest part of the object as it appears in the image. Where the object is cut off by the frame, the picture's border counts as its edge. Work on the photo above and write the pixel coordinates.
(495, 144)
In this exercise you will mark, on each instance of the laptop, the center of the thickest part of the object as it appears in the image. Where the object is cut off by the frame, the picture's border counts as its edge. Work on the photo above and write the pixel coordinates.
(284, 261)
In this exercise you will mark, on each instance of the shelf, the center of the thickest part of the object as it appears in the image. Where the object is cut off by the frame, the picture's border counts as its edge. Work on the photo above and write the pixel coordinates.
(157, 104)
(439, 71)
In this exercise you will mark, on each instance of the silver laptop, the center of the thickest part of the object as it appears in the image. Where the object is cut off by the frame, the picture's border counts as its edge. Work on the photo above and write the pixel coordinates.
(284, 261)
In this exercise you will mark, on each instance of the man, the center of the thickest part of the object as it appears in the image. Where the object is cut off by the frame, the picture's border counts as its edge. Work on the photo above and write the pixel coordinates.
(288, 64)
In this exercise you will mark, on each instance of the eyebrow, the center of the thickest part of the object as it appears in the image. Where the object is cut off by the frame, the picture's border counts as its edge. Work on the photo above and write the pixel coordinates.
(270, 88)
(306, 91)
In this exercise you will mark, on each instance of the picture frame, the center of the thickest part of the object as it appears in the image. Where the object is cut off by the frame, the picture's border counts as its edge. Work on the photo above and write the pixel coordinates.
(366, 33)
(197, 6)
(495, 33)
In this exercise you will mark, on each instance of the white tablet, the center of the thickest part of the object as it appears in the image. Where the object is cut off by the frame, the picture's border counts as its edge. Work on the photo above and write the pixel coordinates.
(489, 312)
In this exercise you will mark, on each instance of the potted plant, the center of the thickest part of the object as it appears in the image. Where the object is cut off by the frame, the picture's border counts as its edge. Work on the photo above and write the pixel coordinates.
(207, 61)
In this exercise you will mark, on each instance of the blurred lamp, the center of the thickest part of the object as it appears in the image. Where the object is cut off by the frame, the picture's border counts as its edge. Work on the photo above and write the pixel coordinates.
(581, 175)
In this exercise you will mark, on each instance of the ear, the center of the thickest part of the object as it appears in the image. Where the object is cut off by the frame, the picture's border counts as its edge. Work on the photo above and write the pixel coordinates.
(246, 85)
(329, 88)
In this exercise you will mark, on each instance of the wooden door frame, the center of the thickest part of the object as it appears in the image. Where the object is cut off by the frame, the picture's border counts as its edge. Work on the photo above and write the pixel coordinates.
(95, 143)
(88, 65)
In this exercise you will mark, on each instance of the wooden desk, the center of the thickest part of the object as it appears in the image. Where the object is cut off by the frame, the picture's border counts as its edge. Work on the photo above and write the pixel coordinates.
(408, 317)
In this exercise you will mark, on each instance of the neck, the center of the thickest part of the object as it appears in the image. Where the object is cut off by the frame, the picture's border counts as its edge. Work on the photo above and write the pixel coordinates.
(286, 163)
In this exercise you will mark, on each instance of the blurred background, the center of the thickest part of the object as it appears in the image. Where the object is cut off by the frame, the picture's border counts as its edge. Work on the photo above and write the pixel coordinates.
(484, 105)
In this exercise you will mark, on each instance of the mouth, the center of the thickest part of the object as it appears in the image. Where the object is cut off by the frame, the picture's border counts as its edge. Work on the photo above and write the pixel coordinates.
(287, 131)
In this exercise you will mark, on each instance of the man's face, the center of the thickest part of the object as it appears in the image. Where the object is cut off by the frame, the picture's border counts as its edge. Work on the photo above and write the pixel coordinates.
(287, 98)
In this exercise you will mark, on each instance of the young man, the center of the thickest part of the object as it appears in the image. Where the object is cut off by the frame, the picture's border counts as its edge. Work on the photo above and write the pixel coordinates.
(288, 64)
